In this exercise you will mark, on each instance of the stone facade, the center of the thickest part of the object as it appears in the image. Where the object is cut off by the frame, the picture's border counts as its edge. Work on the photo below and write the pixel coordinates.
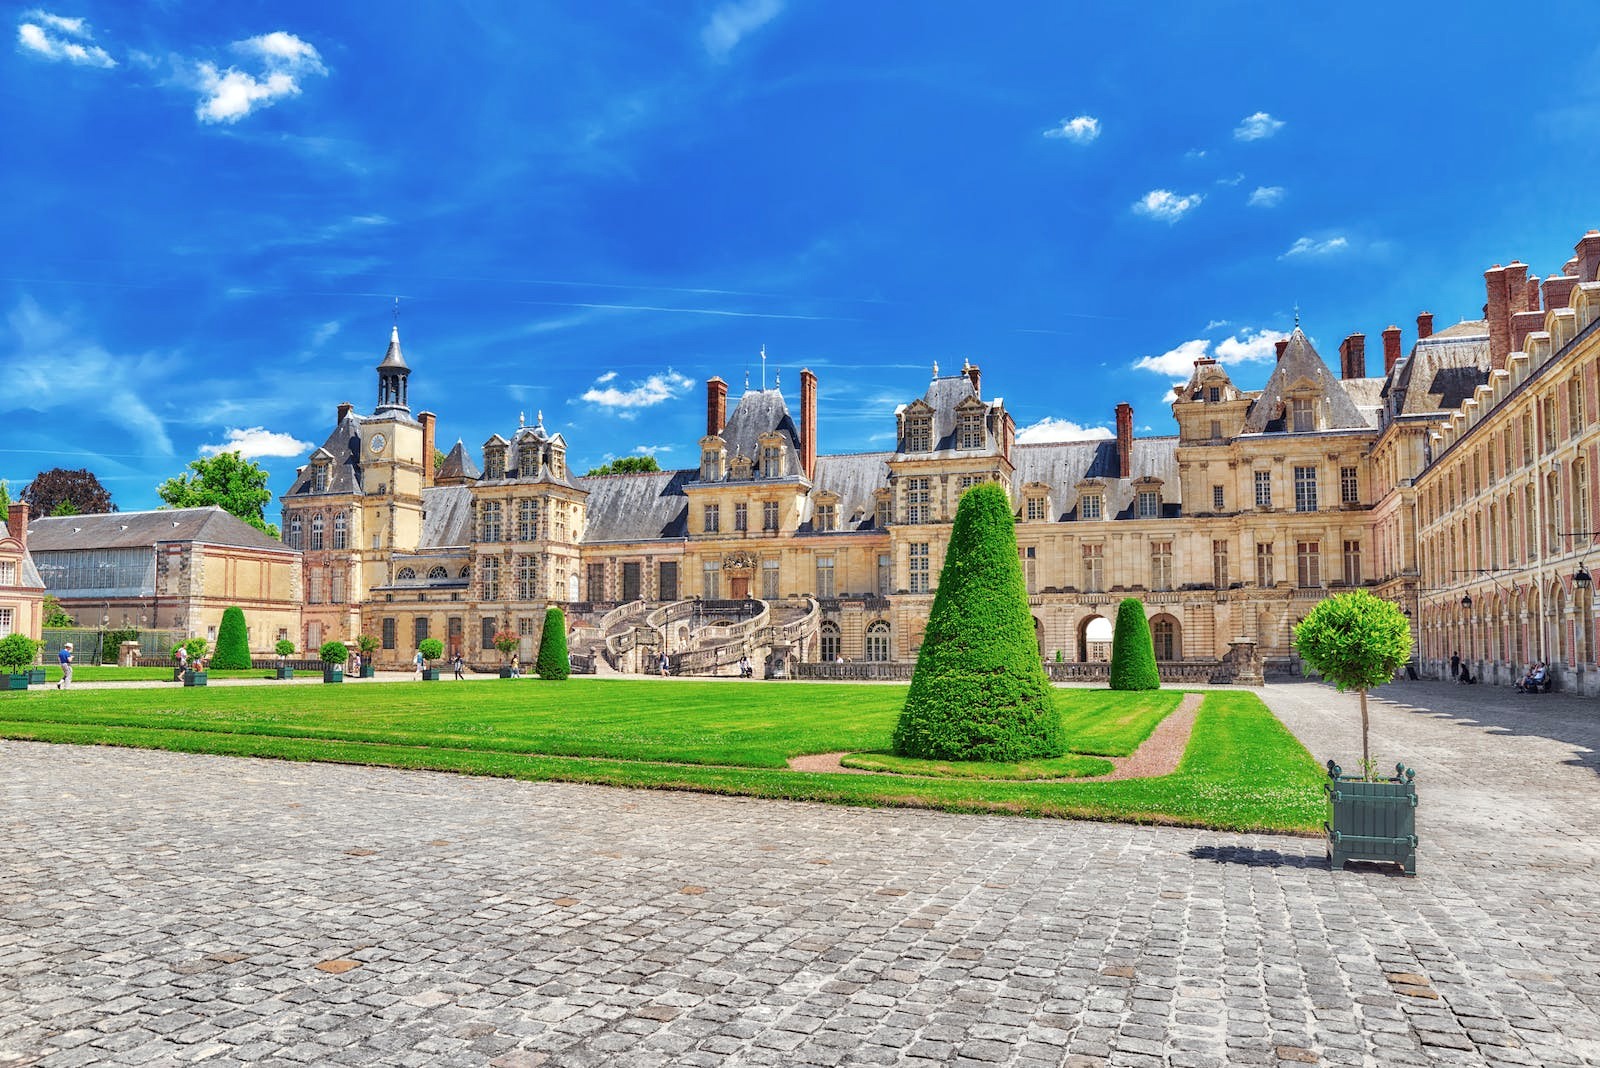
(21, 589)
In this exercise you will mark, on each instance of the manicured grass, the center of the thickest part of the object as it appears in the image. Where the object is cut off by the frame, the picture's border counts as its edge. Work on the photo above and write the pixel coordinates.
(1111, 722)
(112, 673)
(1068, 767)
(1242, 769)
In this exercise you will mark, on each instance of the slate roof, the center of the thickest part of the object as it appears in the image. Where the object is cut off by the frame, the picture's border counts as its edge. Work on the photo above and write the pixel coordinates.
(392, 358)
(126, 530)
(1300, 362)
(446, 517)
(1367, 395)
(344, 472)
(1062, 465)
(1443, 370)
(758, 412)
(944, 395)
(637, 507)
(854, 477)
(458, 465)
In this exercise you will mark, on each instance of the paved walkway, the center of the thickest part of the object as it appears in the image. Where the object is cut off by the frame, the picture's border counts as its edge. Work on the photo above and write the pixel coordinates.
(159, 908)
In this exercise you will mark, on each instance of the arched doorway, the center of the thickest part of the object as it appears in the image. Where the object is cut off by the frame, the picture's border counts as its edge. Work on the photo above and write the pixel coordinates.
(876, 646)
(1094, 640)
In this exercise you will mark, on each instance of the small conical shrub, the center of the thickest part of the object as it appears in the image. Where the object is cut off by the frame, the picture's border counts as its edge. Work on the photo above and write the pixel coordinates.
(1133, 653)
(552, 662)
(233, 641)
(979, 691)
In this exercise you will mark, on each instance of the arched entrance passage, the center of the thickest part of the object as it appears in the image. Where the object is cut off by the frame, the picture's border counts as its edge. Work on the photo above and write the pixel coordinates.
(1038, 637)
(1168, 637)
(1094, 640)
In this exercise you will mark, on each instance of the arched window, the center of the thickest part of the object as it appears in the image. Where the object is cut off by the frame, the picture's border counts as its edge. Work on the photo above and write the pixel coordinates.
(466, 571)
(1164, 632)
(877, 644)
(316, 532)
(828, 650)
(341, 531)
(438, 573)
(405, 574)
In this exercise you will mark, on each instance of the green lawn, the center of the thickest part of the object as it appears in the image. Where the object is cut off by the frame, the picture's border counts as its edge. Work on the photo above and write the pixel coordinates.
(113, 673)
(1242, 770)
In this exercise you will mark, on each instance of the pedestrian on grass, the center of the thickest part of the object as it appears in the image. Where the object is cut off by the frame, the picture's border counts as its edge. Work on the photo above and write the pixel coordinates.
(66, 667)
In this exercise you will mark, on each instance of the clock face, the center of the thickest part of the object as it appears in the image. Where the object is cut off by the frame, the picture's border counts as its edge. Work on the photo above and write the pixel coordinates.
(378, 442)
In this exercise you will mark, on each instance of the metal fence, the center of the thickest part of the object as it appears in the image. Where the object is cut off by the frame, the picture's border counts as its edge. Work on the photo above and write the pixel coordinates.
(99, 645)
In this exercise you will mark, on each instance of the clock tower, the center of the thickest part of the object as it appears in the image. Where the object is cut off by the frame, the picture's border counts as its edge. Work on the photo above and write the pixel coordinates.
(391, 464)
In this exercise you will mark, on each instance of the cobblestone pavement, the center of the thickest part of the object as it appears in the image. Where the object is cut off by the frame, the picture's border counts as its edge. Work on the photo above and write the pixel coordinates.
(162, 909)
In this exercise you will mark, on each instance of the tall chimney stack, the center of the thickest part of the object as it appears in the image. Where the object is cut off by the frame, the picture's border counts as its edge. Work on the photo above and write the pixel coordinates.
(1558, 291)
(975, 376)
(1516, 286)
(17, 522)
(716, 406)
(1125, 440)
(1391, 347)
(340, 412)
(1588, 256)
(1424, 325)
(1279, 345)
(1499, 316)
(808, 422)
(428, 421)
(1353, 356)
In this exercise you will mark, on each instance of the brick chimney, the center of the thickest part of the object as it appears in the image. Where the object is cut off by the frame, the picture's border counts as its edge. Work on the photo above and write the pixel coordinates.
(17, 522)
(975, 376)
(1125, 440)
(1558, 291)
(1391, 348)
(340, 412)
(1424, 325)
(1533, 293)
(716, 406)
(808, 423)
(428, 421)
(1498, 315)
(1588, 256)
(1279, 345)
(1517, 286)
(1353, 356)
(1523, 324)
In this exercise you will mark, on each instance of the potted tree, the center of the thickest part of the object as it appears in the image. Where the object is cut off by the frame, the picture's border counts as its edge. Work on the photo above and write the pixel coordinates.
(333, 655)
(195, 675)
(431, 650)
(1357, 641)
(366, 645)
(284, 649)
(16, 656)
(506, 640)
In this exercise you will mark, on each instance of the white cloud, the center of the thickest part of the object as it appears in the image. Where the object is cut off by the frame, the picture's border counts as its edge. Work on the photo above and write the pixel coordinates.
(1266, 196)
(50, 36)
(651, 450)
(1307, 246)
(733, 21)
(256, 441)
(1235, 180)
(229, 95)
(1081, 130)
(1052, 429)
(644, 394)
(1166, 205)
(1195, 153)
(1215, 324)
(1255, 127)
(325, 333)
(1247, 346)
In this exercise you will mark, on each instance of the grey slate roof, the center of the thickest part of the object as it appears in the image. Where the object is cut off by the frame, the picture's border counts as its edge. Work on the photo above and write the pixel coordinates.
(1367, 395)
(637, 507)
(126, 530)
(344, 473)
(1062, 465)
(1442, 371)
(944, 395)
(758, 412)
(446, 517)
(392, 357)
(1300, 362)
(854, 477)
(458, 465)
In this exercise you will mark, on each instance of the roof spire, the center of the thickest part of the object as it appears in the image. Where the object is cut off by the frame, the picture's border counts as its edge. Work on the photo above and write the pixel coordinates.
(522, 420)
(763, 368)
(936, 368)
(1297, 315)
(541, 417)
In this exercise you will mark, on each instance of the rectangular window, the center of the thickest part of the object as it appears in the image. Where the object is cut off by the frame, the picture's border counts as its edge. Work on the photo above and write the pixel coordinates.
(919, 435)
(630, 580)
(1305, 489)
(1574, 406)
(826, 514)
(1030, 568)
(712, 519)
(1213, 393)
(1149, 504)
(5, 622)
(525, 626)
(1216, 430)
(1094, 568)
(1530, 548)
(489, 569)
(917, 500)
(741, 517)
(528, 520)
(1304, 421)
(1219, 564)
(967, 482)
(1547, 409)
(316, 532)
(970, 435)
(919, 567)
(1352, 563)
(885, 575)
(1036, 507)
(419, 630)
(1161, 565)
(336, 580)
(1089, 506)
(8, 573)
(596, 576)
(771, 461)
(1264, 572)
(527, 578)
(711, 581)
(1349, 486)
(388, 632)
(313, 585)
(769, 515)
(486, 628)
(825, 576)
(1217, 499)
(341, 531)
(769, 580)
(880, 513)
(668, 581)
(1263, 489)
(490, 521)
(1527, 438)
(1308, 564)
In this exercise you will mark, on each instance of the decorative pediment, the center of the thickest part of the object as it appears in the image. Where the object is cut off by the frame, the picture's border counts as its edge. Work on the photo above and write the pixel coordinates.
(740, 561)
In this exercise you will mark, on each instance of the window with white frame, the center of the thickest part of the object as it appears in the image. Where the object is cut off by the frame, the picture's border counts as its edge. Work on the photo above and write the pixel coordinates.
(1218, 500)
(1149, 504)
(876, 645)
(711, 580)
(316, 532)
(969, 430)
(1037, 507)
(528, 520)
(919, 434)
(1352, 563)
(1264, 569)
(769, 515)
(1094, 568)
(1263, 489)
(1089, 506)
(1308, 564)
(1305, 489)
(1219, 564)
(1349, 486)
(920, 558)
(8, 573)
(491, 521)
(1161, 565)
(741, 517)
(1303, 415)
(341, 531)
(1030, 568)
(827, 517)
(5, 622)
(825, 587)
(769, 580)
(917, 500)
(527, 577)
(489, 569)
(712, 519)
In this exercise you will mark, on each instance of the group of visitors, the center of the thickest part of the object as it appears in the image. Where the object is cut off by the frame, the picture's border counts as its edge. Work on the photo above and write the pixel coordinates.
(1537, 678)
(1460, 671)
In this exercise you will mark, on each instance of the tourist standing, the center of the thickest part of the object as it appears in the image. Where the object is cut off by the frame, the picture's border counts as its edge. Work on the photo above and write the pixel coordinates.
(66, 667)
(1455, 665)
(417, 662)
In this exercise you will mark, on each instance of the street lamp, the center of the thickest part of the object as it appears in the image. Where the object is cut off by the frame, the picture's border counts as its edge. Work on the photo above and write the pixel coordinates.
(1466, 600)
(1583, 585)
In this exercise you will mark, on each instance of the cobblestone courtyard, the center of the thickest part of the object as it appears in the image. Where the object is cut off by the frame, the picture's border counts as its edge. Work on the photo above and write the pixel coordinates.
(159, 908)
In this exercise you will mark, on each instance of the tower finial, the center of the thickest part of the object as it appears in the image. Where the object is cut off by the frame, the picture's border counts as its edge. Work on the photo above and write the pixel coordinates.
(936, 368)
(541, 417)
(522, 419)
(1297, 313)
(763, 368)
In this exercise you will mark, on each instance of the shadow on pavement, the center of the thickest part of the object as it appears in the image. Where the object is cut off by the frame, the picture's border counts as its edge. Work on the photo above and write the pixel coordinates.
(1256, 858)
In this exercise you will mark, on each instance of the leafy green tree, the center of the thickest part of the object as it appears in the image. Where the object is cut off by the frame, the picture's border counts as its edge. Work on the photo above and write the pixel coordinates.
(439, 458)
(1356, 641)
(553, 662)
(59, 491)
(430, 648)
(233, 641)
(333, 653)
(284, 648)
(1133, 653)
(980, 692)
(54, 614)
(227, 480)
(626, 465)
(5, 497)
(17, 652)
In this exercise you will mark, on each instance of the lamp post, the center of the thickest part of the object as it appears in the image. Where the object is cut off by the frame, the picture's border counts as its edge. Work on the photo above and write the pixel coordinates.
(1583, 586)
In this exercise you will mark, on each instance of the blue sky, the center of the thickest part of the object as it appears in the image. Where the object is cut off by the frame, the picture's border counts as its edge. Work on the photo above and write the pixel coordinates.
(588, 209)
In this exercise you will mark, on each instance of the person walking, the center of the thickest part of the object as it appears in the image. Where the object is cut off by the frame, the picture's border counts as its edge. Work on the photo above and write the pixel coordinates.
(417, 662)
(65, 657)
(664, 665)
(1455, 665)
(455, 662)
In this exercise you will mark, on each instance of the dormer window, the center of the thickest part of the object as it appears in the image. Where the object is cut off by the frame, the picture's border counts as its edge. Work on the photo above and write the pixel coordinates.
(827, 516)
(532, 462)
(1038, 507)
(969, 430)
(558, 463)
(919, 434)
(1213, 394)
(1090, 506)
(712, 452)
(1148, 504)
(494, 461)
(772, 461)
(319, 477)
(1302, 415)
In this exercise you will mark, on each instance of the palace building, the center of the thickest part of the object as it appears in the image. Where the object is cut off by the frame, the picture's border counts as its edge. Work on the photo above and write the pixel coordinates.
(1457, 482)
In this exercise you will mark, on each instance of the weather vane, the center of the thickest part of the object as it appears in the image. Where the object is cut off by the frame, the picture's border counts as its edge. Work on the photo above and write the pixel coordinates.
(396, 311)
(763, 368)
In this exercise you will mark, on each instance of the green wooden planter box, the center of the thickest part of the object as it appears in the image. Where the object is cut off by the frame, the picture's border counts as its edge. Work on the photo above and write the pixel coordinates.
(14, 682)
(285, 672)
(505, 673)
(194, 678)
(1372, 820)
(430, 674)
(333, 674)
(369, 671)
(36, 676)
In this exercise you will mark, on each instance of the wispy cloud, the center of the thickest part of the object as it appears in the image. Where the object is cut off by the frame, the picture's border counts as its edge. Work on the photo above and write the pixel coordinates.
(1246, 346)
(1052, 429)
(63, 39)
(254, 442)
(1266, 196)
(1215, 324)
(1257, 126)
(651, 450)
(1166, 205)
(1081, 130)
(1310, 246)
(1235, 180)
(732, 22)
(324, 333)
(656, 389)
(283, 59)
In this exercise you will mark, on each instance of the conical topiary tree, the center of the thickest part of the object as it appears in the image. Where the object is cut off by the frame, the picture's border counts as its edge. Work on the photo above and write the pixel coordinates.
(233, 641)
(552, 662)
(1133, 653)
(980, 692)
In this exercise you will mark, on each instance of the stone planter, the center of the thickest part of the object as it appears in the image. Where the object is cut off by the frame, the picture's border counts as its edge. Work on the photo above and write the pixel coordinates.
(430, 674)
(285, 671)
(194, 678)
(36, 676)
(14, 682)
(333, 674)
(1372, 820)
